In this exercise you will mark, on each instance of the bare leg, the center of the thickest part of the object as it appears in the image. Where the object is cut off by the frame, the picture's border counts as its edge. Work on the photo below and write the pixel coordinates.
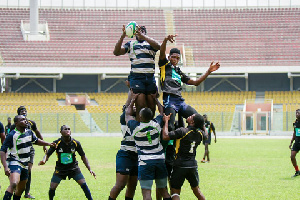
(121, 181)
(151, 104)
(131, 186)
(20, 188)
(146, 194)
(158, 195)
(197, 193)
(175, 191)
(206, 152)
(14, 180)
(140, 103)
(293, 158)
(164, 192)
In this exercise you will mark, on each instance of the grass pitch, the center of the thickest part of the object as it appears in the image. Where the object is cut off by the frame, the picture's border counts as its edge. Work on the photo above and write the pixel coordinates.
(239, 169)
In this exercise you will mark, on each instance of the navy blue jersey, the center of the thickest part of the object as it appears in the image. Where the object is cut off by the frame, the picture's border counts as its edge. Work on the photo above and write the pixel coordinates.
(147, 139)
(18, 145)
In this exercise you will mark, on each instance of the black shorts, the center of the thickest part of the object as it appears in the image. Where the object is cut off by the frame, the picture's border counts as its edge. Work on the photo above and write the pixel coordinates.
(208, 140)
(169, 169)
(296, 147)
(179, 175)
(64, 174)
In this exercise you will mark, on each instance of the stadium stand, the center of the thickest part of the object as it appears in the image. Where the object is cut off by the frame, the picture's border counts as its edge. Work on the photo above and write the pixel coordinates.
(241, 37)
(78, 37)
(44, 109)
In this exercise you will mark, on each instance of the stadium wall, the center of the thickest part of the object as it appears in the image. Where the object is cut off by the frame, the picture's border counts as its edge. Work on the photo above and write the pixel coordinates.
(89, 83)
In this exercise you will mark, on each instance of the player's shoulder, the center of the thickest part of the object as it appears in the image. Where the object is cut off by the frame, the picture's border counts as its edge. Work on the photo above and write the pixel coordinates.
(76, 142)
(1, 124)
(31, 121)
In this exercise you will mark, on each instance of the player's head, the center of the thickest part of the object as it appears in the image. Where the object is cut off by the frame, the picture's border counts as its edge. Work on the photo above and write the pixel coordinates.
(205, 117)
(9, 120)
(298, 113)
(22, 111)
(146, 115)
(195, 120)
(20, 121)
(143, 31)
(65, 130)
(174, 56)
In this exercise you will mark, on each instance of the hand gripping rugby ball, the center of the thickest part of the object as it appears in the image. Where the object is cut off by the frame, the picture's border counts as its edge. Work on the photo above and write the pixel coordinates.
(130, 29)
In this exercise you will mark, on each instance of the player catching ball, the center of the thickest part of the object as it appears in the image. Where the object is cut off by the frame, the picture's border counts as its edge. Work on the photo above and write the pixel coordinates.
(66, 164)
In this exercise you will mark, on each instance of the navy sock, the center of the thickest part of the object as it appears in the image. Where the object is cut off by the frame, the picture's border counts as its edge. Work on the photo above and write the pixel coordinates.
(27, 188)
(128, 198)
(87, 191)
(16, 197)
(7, 196)
(51, 194)
(109, 198)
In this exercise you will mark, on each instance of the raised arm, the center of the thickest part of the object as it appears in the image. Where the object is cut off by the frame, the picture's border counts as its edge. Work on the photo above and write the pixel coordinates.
(163, 46)
(165, 130)
(87, 165)
(119, 50)
(153, 43)
(213, 67)
(129, 110)
(159, 106)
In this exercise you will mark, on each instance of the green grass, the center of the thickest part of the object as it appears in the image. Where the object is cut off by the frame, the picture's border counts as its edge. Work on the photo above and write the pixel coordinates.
(239, 169)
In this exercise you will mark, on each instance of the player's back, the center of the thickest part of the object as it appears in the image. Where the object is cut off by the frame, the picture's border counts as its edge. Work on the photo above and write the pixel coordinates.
(186, 147)
(147, 139)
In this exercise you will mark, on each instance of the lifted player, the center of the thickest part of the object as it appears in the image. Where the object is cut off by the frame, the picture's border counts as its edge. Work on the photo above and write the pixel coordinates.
(171, 78)
(185, 164)
(66, 164)
(17, 146)
(296, 146)
(209, 128)
(142, 56)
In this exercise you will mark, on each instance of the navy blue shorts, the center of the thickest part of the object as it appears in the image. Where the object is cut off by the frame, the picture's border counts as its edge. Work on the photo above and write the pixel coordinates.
(175, 102)
(127, 163)
(142, 83)
(152, 171)
(17, 169)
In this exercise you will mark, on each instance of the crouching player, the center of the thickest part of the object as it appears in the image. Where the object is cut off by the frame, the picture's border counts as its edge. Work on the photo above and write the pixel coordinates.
(17, 145)
(66, 164)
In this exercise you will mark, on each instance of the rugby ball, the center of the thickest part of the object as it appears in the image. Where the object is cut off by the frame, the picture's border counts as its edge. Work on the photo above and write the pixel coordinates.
(130, 29)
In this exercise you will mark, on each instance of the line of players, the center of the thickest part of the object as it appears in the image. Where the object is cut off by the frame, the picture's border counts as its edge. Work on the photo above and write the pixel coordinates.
(142, 153)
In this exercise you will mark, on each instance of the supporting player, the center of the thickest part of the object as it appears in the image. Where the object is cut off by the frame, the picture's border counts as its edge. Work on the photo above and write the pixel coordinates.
(31, 125)
(171, 78)
(8, 126)
(66, 164)
(185, 164)
(2, 133)
(126, 162)
(142, 56)
(296, 147)
(17, 146)
(209, 128)
(150, 151)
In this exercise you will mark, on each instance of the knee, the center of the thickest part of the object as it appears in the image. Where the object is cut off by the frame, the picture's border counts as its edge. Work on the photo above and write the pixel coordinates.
(120, 186)
(13, 185)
